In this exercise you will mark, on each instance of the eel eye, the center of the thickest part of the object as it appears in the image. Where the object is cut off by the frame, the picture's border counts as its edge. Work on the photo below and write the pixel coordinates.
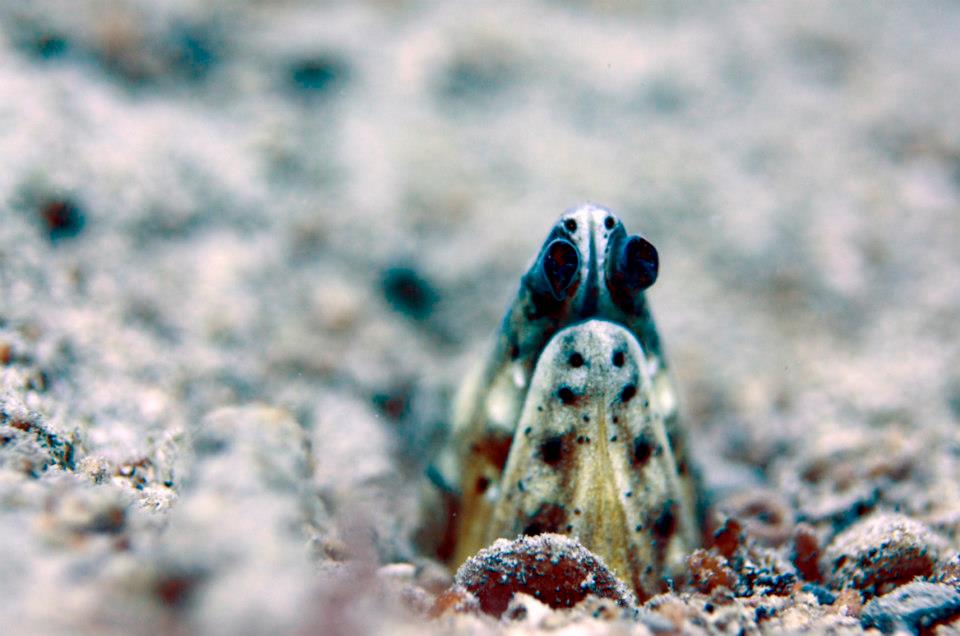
(560, 263)
(641, 263)
(638, 262)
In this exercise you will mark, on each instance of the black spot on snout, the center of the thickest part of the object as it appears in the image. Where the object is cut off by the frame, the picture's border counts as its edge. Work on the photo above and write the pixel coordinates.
(628, 392)
(618, 358)
(642, 450)
(665, 525)
(553, 450)
(566, 395)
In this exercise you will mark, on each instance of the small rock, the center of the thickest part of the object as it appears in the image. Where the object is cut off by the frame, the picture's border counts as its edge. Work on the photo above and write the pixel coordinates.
(337, 305)
(526, 609)
(848, 603)
(728, 538)
(914, 607)
(881, 552)
(554, 569)
(763, 513)
(397, 573)
(457, 600)
(95, 468)
(949, 572)
(397, 582)
(822, 594)
(710, 571)
(806, 552)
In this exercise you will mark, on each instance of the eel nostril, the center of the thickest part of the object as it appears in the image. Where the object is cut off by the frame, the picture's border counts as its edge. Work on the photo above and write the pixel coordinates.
(560, 263)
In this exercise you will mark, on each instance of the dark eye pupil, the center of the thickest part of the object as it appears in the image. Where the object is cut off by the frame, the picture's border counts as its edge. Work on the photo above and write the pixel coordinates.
(641, 261)
(618, 358)
(571, 225)
(576, 360)
(609, 223)
(640, 251)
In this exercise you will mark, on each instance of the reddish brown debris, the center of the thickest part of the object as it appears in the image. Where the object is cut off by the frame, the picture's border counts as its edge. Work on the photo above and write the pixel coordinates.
(882, 552)
(61, 450)
(709, 572)
(806, 552)
(554, 569)
(728, 538)
(949, 573)
(455, 599)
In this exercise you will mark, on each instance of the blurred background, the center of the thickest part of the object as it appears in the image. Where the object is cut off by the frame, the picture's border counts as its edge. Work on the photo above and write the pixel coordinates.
(247, 250)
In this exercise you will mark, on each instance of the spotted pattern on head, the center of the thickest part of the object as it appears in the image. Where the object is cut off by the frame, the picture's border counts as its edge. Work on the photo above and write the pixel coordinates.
(594, 461)
(589, 271)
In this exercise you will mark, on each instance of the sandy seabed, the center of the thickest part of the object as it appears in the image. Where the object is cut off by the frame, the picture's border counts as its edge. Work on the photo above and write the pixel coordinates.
(247, 251)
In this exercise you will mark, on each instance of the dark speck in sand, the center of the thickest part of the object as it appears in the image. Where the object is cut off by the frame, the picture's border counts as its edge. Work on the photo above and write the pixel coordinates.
(62, 218)
(408, 292)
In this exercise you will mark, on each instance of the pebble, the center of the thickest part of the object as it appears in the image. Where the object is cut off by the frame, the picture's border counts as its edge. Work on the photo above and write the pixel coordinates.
(880, 552)
(554, 569)
(914, 607)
